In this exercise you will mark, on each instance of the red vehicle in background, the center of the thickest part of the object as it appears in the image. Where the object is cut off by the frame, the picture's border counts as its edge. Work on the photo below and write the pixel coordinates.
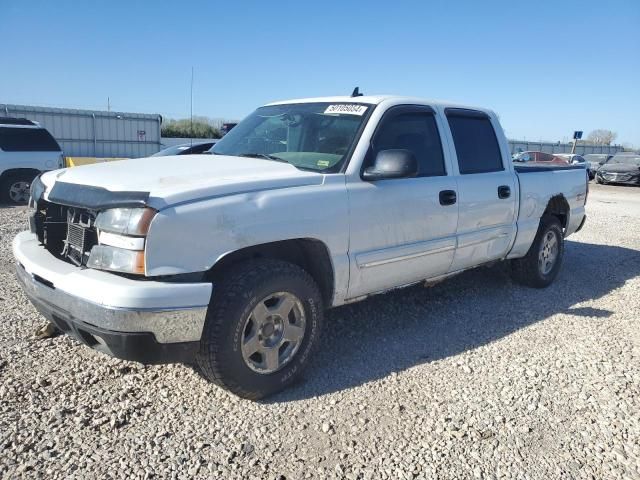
(540, 157)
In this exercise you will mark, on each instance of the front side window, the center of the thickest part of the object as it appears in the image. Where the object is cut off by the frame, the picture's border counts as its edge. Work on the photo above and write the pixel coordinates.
(315, 136)
(417, 132)
(27, 140)
(476, 143)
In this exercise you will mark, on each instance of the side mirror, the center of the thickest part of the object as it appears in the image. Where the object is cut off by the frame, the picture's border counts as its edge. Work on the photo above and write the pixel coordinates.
(392, 164)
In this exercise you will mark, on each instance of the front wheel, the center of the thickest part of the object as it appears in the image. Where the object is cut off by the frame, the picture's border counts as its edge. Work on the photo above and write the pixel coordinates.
(263, 323)
(540, 266)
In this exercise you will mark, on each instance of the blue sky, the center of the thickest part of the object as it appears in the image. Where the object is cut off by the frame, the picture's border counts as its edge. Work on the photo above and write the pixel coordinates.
(546, 68)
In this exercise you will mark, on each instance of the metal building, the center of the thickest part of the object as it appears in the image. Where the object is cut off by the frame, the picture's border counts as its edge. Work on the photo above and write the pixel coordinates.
(94, 133)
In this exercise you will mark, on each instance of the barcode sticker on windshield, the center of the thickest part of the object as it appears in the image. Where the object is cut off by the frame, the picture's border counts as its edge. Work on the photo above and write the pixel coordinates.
(349, 109)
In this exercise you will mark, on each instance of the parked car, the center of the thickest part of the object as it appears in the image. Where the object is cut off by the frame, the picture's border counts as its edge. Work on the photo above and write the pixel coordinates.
(595, 161)
(230, 260)
(185, 149)
(622, 168)
(26, 150)
(226, 128)
(572, 158)
(539, 157)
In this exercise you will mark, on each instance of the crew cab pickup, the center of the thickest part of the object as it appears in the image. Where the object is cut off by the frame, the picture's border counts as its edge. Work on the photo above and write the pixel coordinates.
(230, 259)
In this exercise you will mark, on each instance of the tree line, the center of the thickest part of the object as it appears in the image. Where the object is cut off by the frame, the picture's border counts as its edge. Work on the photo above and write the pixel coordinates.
(200, 127)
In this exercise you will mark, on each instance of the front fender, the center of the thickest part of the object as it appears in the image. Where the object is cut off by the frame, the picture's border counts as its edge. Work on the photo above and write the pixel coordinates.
(192, 237)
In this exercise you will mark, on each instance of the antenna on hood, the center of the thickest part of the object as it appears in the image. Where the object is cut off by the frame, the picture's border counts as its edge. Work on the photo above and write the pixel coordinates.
(356, 92)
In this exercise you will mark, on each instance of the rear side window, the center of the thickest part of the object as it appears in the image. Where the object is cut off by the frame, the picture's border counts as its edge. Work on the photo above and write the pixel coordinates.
(475, 141)
(27, 140)
(417, 132)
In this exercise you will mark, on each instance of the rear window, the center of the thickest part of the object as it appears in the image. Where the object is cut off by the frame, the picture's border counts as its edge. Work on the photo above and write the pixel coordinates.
(476, 143)
(27, 140)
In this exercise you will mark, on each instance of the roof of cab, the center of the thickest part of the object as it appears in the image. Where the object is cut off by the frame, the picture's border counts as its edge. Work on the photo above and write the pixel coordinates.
(378, 99)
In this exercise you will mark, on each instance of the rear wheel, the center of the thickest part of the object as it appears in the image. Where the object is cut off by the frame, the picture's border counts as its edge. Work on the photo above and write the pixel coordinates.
(262, 325)
(540, 266)
(15, 189)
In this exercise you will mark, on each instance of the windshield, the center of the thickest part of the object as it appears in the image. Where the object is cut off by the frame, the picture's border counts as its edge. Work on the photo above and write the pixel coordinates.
(175, 150)
(625, 160)
(316, 136)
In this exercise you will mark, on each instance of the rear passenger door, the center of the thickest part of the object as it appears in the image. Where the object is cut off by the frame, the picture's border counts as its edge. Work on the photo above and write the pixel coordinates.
(487, 191)
(403, 230)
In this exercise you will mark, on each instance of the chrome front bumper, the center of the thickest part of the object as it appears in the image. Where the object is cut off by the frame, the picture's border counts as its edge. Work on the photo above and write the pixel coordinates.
(167, 326)
(171, 312)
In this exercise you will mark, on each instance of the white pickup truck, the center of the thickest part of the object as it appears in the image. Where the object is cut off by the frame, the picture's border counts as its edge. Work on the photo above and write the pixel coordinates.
(229, 260)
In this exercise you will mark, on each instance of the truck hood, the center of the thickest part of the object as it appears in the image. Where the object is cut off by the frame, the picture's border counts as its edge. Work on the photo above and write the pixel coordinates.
(184, 178)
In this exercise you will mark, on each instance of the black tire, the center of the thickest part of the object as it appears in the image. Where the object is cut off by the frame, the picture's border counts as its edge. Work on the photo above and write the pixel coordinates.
(10, 182)
(220, 359)
(599, 180)
(528, 270)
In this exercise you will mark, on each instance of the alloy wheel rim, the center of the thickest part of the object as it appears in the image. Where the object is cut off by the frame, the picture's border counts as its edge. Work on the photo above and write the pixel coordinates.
(19, 192)
(273, 332)
(548, 252)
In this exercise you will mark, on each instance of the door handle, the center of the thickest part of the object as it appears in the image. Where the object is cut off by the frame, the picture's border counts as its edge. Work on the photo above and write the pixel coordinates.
(504, 191)
(448, 197)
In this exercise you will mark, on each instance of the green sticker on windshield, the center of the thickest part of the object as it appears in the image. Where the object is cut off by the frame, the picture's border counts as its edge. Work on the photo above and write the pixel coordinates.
(323, 163)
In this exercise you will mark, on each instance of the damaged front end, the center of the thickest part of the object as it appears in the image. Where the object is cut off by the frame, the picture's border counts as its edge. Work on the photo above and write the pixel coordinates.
(92, 227)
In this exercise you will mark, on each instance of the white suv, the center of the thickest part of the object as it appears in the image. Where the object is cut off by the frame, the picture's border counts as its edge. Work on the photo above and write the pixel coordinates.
(26, 150)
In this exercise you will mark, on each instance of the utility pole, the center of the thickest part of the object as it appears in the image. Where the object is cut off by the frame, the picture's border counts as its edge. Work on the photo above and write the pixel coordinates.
(108, 104)
(191, 115)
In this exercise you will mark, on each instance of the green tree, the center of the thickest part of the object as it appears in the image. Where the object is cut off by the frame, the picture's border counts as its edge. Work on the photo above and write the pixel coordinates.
(201, 127)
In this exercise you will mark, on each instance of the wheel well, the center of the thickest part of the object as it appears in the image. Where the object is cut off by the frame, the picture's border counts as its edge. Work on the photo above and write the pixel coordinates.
(309, 254)
(558, 207)
(19, 171)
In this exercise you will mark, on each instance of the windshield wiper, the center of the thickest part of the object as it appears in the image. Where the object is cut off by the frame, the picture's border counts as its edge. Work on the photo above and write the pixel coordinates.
(263, 155)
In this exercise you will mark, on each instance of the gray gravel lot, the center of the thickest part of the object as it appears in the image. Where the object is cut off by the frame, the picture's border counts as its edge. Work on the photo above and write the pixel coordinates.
(475, 377)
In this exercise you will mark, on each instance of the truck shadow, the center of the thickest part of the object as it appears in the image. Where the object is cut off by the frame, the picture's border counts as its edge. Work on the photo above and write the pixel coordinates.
(387, 333)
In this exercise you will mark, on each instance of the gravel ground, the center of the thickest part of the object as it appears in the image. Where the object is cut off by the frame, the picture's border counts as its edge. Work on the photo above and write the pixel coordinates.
(475, 377)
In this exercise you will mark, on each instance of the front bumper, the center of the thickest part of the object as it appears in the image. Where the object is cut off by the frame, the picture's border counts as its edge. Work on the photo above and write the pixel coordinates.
(623, 178)
(140, 320)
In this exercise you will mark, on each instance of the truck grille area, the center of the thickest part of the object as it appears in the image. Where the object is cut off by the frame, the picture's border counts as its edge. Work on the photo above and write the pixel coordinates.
(67, 232)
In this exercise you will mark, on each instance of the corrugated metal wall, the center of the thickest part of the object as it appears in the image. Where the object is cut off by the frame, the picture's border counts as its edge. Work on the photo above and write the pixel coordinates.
(549, 147)
(89, 133)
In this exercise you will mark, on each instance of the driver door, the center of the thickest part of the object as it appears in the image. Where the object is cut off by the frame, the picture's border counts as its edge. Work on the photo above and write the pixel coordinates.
(403, 230)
